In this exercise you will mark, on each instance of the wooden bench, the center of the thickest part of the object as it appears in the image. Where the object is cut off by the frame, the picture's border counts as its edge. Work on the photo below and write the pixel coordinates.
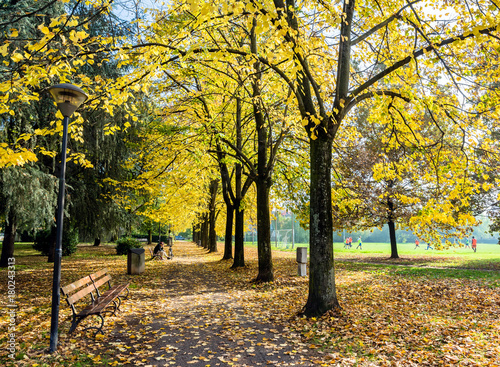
(102, 300)
(153, 255)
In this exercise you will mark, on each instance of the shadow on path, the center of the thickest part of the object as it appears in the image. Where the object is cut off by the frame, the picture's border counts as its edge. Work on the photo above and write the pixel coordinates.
(197, 317)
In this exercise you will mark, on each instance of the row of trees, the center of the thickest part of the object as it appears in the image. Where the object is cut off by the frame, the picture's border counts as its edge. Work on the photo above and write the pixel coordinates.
(30, 134)
(354, 113)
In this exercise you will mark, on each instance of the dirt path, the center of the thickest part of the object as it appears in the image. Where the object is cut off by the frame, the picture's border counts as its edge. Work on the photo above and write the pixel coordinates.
(197, 317)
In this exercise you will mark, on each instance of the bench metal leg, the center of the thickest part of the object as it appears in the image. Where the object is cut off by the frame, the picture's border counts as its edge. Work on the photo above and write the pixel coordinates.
(74, 323)
(125, 296)
(119, 303)
(99, 328)
(77, 320)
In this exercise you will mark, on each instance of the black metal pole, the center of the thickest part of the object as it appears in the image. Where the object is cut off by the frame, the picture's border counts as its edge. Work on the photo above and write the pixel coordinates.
(54, 321)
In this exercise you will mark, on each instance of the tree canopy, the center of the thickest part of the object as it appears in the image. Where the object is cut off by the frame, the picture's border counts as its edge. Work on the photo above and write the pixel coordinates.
(422, 74)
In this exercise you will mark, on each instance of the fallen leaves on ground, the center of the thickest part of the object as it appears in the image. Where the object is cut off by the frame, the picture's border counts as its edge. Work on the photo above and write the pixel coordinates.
(194, 311)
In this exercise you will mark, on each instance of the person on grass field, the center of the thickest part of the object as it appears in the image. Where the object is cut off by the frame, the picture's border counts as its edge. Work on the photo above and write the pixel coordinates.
(474, 244)
(429, 246)
(417, 244)
(359, 244)
(467, 243)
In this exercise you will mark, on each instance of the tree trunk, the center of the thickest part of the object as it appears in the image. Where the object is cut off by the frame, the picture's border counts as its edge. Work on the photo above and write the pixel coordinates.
(97, 241)
(392, 230)
(262, 181)
(150, 236)
(196, 233)
(212, 236)
(228, 239)
(322, 291)
(239, 228)
(52, 248)
(205, 232)
(8, 241)
(264, 233)
(394, 245)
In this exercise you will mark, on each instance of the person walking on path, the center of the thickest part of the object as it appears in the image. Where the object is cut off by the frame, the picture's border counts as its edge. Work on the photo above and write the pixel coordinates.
(417, 243)
(359, 244)
(474, 244)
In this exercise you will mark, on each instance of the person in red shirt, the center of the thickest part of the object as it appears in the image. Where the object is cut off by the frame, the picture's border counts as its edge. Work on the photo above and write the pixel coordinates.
(417, 243)
(474, 244)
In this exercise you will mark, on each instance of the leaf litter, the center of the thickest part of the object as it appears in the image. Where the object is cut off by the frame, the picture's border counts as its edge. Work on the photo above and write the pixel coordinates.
(195, 311)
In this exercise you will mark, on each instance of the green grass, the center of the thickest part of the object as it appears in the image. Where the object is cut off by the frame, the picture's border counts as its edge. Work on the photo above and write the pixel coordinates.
(489, 277)
(486, 257)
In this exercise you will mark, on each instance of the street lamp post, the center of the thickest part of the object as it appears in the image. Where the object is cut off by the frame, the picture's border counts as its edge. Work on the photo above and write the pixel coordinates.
(68, 98)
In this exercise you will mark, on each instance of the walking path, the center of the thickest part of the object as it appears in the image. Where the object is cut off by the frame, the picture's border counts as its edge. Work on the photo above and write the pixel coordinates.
(198, 317)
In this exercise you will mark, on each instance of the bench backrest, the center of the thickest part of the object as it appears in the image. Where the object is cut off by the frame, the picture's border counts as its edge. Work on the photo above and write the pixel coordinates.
(77, 290)
(99, 278)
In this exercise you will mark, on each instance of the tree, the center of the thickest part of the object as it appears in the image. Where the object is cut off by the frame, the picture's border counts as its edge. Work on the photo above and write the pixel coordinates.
(28, 201)
(405, 58)
(314, 55)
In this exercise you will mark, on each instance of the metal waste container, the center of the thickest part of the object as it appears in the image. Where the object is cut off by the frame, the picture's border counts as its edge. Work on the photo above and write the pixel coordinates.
(136, 261)
(302, 261)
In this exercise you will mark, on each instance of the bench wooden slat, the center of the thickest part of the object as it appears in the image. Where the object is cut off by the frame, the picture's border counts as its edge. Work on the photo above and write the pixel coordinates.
(87, 285)
(119, 288)
(75, 285)
(99, 274)
(80, 294)
(97, 307)
(101, 281)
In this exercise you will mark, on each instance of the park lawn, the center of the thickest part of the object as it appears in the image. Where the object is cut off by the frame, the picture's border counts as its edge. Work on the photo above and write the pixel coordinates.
(391, 314)
(486, 257)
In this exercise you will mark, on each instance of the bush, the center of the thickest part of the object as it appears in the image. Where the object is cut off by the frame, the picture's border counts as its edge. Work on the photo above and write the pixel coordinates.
(43, 241)
(126, 243)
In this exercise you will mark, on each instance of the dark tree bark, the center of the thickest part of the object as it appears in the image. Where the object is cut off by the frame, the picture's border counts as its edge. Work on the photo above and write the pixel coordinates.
(150, 236)
(97, 241)
(228, 237)
(212, 236)
(233, 195)
(392, 230)
(197, 234)
(205, 232)
(239, 228)
(264, 234)
(322, 293)
(8, 241)
(263, 180)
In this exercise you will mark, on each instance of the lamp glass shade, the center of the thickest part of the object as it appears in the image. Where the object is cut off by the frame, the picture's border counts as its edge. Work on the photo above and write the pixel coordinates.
(68, 98)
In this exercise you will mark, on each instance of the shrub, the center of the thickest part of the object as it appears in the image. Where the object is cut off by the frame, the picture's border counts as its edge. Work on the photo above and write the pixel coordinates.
(43, 241)
(126, 243)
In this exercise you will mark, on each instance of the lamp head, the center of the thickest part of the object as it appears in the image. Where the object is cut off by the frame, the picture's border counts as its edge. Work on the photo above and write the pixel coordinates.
(68, 98)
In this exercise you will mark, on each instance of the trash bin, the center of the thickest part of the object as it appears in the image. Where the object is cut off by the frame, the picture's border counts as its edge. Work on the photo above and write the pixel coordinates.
(136, 261)
(302, 260)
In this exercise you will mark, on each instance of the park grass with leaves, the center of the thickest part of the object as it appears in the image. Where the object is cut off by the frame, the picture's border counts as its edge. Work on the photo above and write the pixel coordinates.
(391, 314)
